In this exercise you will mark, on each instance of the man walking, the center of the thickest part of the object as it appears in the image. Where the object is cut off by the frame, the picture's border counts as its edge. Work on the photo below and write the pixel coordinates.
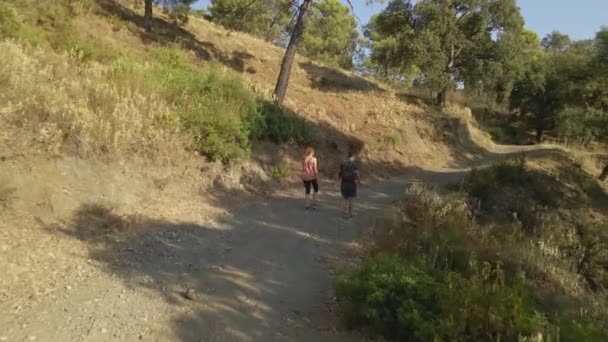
(349, 180)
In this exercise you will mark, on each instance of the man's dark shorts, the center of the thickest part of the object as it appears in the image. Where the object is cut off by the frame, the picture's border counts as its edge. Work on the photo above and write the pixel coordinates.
(348, 189)
(311, 184)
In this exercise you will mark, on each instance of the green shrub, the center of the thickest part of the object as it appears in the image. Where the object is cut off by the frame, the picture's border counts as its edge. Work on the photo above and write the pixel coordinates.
(9, 22)
(219, 112)
(498, 134)
(405, 301)
(12, 26)
(574, 331)
(582, 125)
(86, 49)
(430, 230)
(508, 187)
(431, 279)
(393, 139)
(280, 171)
(283, 128)
(223, 117)
(46, 23)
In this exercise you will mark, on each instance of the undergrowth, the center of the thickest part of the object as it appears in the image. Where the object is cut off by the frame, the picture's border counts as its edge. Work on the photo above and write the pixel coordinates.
(222, 116)
(486, 263)
(413, 302)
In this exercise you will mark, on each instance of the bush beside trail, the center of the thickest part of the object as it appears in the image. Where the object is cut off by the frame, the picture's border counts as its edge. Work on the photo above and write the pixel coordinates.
(486, 262)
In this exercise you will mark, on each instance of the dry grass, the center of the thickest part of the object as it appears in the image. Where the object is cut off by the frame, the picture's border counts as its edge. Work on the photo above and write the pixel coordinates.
(7, 193)
(89, 116)
(342, 106)
(589, 162)
(62, 106)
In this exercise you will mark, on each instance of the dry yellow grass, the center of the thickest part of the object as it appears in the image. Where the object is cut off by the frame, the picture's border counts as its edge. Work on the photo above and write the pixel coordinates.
(588, 161)
(343, 108)
(59, 105)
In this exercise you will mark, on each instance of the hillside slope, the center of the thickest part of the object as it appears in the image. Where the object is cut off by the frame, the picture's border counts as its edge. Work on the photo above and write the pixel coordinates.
(344, 109)
(108, 217)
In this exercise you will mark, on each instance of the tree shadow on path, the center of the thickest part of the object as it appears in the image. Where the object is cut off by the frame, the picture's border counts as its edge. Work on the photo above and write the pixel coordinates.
(259, 273)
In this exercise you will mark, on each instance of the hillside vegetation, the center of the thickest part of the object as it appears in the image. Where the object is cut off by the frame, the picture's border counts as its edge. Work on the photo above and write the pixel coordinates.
(514, 250)
(125, 150)
(210, 89)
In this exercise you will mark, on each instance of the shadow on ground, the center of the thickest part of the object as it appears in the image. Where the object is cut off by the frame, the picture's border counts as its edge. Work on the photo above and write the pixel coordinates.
(168, 33)
(258, 274)
(328, 79)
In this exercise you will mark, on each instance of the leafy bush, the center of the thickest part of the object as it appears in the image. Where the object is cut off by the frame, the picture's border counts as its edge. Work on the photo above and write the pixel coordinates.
(219, 112)
(9, 22)
(393, 139)
(485, 182)
(280, 171)
(13, 26)
(510, 187)
(574, 331)
(446, 279)
(86, 49)
(582, 125)
(430, 230)
(412, 302)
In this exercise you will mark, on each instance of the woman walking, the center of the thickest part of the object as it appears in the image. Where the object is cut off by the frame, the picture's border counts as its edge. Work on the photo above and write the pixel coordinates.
(310, 172)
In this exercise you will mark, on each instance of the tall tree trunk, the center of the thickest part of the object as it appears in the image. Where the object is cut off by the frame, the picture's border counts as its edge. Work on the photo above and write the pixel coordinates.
(540, 131)
(500, 97)
(148, 15)
(290, 53)
(604, 174)
(442, 97)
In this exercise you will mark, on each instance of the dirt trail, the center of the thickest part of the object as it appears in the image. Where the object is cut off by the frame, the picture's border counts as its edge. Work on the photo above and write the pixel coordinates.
(259, 273)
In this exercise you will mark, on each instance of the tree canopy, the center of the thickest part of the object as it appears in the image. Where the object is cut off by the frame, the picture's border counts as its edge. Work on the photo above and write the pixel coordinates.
(449, 42)
(331, 35)
(567, 89)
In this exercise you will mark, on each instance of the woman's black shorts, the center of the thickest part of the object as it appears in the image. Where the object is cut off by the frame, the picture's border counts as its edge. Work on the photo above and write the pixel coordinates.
(311, 184)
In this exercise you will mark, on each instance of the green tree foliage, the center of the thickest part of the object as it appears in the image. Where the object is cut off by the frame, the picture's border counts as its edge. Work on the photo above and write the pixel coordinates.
(331, 35)
(556, 42)
(469, 41)
(264, 18)
(388, 34)
(567, 89)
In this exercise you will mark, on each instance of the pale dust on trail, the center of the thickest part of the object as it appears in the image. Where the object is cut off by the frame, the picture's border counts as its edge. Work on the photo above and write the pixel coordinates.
(257, 270)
